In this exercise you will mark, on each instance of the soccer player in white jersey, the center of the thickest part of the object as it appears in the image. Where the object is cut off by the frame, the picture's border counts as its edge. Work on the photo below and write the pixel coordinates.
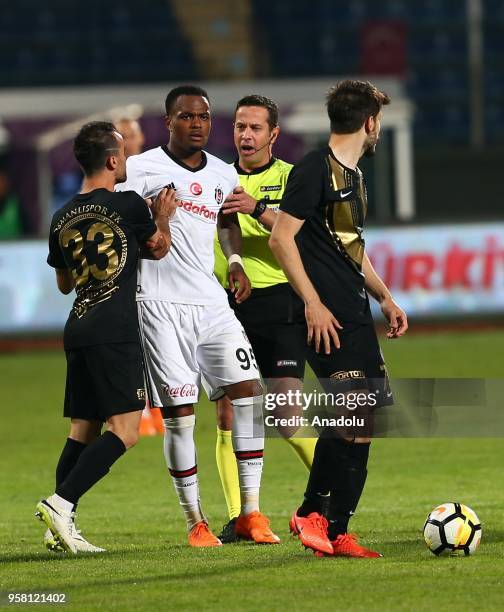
(186, 324)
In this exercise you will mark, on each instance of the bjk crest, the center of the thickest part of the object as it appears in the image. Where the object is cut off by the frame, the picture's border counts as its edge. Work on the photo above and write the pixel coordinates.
(196, 189)
(219, 195)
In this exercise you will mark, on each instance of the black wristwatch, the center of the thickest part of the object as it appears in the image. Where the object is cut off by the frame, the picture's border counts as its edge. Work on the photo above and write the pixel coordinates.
(260, 207)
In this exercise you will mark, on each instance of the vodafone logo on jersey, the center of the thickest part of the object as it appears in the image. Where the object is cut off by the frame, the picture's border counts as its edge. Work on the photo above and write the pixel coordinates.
(196, 189)
(197, 209)
(187, 390)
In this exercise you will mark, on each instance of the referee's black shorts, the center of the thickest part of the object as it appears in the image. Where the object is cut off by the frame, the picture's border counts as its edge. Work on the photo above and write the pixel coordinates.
(273, 321)
(104, 380)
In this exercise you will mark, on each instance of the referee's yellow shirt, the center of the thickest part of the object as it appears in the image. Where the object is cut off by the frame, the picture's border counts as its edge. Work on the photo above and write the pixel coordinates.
(265, 183)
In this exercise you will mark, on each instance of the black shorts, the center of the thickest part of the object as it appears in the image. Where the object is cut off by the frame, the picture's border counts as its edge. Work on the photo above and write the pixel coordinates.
(273, 320)
(104, 380)
(358, 364)
(355, 379)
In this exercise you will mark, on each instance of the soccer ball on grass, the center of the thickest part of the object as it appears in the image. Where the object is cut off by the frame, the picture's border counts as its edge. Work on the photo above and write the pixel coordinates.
(452, 529)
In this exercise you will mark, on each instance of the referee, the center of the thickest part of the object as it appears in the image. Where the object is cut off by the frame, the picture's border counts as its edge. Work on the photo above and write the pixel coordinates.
(271, 316)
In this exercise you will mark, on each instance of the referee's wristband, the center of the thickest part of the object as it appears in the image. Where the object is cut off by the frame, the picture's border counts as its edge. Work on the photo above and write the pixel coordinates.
(259, 209)
(235, 258)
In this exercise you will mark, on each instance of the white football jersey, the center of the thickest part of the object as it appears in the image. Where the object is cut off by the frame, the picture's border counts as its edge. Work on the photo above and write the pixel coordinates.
(185, 275)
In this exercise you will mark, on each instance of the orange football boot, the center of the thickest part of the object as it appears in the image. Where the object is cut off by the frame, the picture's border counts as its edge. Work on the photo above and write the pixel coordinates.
(255, 526)
(346, 545)
(201, 536)
(312, 532)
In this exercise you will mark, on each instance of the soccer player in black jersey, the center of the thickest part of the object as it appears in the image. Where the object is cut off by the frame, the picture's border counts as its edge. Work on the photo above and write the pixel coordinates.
(318, 241)
(94, 245)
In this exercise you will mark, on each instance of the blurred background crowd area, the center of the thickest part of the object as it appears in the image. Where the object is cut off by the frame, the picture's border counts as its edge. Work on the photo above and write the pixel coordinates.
(64, 62)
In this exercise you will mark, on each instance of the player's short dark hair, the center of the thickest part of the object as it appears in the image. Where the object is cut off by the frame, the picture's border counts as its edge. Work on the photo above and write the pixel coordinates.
(350, 103)
(93, 144)
(256, 100)
(183, 90)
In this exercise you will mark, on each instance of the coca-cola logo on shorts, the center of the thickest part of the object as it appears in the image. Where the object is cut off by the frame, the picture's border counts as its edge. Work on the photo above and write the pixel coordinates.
(196, 189)
(187, 390)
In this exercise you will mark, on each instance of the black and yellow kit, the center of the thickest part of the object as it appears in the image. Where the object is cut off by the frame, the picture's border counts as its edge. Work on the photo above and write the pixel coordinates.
(331, 199)
(97, 236)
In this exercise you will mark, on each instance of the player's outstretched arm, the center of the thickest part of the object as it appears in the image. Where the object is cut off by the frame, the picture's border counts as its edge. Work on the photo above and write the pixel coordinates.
(229, 233)
(65, 280)
(163, 208)
(395, 315)
(322, 325)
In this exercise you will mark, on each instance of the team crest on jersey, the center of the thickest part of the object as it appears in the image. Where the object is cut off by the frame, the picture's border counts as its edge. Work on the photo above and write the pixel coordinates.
(219, 195)
(196, 189)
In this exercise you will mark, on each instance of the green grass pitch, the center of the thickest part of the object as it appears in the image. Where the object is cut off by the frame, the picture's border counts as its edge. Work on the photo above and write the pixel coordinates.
(134, 513)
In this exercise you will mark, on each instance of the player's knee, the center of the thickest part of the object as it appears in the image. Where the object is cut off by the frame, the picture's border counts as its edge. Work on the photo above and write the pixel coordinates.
(128, 434)
(174, 412)
(84, 431)
(224, 414)
(129, 438)
(247, 388)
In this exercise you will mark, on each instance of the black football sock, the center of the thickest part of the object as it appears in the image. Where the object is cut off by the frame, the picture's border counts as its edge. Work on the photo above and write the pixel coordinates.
(68, 458)
(93, 464)
(319, 481)
(349, 479)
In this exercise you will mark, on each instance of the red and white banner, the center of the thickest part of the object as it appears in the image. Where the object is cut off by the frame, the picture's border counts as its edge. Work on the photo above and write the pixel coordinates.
(441, 269)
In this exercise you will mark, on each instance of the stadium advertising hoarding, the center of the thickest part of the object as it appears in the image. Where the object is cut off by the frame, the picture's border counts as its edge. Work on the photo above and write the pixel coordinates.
(442, 269)
(439, 270)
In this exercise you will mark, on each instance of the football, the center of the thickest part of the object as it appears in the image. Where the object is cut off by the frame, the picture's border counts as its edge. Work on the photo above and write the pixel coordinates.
(452, 529)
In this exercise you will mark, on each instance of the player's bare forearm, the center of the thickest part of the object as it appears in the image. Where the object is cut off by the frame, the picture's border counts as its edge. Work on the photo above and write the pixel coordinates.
(163, 209)
(374, 284)
(158, 245)
(229, 234)
(65, 280)
(321, 323)
(395, 315)
(283, 245)
(267, 219)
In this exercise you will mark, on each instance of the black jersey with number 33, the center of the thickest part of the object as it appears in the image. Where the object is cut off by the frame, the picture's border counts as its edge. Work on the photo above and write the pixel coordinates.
(97, 236)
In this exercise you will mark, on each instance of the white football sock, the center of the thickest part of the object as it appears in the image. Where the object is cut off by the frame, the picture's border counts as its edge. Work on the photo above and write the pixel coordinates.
(180, 455)
(248, 445)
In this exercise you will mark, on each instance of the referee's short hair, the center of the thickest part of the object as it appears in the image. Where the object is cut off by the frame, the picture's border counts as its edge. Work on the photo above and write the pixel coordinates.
(183, 90)
(350, 103)
(256, 100)
(95, 142)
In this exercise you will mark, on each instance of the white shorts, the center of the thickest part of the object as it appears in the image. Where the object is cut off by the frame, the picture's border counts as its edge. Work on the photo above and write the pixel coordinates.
(182, 342)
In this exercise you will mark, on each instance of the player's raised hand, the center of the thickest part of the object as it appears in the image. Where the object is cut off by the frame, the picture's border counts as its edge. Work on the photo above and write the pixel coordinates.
(165, 204)
(396, 317)
(322, 326)
(239, 201)
(239, 283)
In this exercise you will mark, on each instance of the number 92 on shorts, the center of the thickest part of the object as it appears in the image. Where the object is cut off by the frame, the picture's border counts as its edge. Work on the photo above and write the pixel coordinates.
(183, 342)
